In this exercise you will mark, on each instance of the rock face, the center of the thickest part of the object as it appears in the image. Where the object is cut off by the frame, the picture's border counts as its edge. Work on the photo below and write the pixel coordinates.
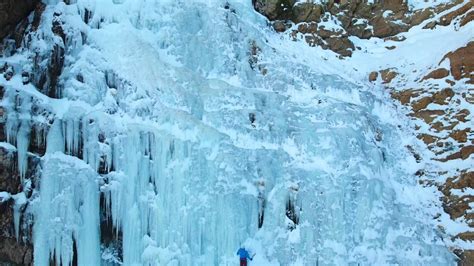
(13, 251)
(337, 41)
(440, 107)
(373, 76)
(463, 12)
(437, 74)
(382, 19)
(462, 62)
(388, 74)
(393, 5)
(445, 126)
(307, 12)
(275, 9)
(12, 12)
(289, 10)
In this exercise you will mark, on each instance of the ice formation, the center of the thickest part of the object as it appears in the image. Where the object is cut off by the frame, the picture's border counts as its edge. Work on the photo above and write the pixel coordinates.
(200, 135)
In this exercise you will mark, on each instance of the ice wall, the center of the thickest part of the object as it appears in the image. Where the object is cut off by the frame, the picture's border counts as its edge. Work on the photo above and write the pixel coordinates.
(67, 223)
(186, 116)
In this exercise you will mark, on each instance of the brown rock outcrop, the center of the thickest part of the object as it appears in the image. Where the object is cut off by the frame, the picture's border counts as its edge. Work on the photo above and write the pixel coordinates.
(437, 74)
(386, 28)
(279, 26)
(405, 96)
(342, 46)
(427, 139)
(275, 9)
(467, 236)
(327, 39)
(464, 180)
(373, 76)
(460, 135)
(383, 19)
(307, 12)
(448, 18)
(394, 5)
(388, 74)
(463, 154)
(419, 16)
(443, 96)
(467, 18)
(461, 115)
(458, 206)
(462, 62)
(466, 257)
(428, 115)
(421, 103)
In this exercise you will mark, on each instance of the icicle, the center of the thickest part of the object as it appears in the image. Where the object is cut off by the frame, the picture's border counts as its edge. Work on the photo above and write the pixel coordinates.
(91, 147)
(55, 139)
(11, 127)
(72, 131)
(20, 201)
(12, 121)
(68, 212)
(18, 127)
(87, 235)
(113, 198)
(132, 236)
(23, 141)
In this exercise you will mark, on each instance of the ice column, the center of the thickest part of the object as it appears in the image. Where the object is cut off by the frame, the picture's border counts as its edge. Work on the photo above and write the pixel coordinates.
(67, 217)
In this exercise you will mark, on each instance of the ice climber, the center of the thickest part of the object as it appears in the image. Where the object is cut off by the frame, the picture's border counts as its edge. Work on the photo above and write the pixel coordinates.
(244, 255)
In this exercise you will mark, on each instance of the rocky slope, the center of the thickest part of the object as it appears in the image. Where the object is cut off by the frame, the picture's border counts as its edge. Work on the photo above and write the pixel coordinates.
(441, 105)
(437, 97)
(330, 24)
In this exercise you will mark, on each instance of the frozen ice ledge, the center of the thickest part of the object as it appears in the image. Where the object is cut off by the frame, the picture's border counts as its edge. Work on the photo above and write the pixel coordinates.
(172, 132)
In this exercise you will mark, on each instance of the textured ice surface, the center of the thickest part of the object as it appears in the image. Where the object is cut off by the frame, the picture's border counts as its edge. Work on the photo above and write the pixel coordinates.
(68, 212)
(194, 119)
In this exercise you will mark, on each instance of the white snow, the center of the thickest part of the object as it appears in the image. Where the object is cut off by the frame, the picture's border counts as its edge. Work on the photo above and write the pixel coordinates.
(421, 4)
(4, 196)
(7, 146)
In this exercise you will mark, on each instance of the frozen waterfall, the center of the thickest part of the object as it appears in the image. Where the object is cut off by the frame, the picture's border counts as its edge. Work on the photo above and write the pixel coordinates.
(186, 126)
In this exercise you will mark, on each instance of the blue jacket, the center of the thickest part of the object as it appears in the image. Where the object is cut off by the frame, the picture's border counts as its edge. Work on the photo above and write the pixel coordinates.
(243, 254)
